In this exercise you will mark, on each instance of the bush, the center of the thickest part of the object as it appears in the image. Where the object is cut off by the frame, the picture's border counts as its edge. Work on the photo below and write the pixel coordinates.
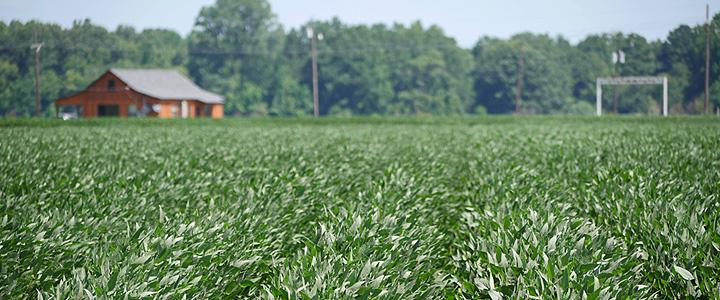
(480, 110)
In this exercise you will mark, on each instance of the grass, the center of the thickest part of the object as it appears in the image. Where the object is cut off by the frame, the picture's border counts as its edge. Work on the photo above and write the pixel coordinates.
(498, 208)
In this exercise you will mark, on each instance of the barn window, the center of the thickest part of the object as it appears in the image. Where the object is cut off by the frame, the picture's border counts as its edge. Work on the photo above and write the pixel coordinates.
(108, 110)
(111, 85)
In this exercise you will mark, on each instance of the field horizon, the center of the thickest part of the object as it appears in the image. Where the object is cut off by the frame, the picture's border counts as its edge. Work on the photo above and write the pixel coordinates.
(361, 119)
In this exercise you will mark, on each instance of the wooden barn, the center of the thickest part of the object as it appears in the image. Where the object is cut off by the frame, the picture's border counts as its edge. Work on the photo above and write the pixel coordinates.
(141, 92)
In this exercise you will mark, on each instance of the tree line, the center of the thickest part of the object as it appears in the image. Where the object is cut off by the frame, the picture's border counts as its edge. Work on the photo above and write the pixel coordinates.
(238, 49)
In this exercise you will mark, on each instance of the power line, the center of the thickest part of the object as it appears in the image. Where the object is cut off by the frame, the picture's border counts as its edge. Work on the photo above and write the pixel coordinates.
(329, 49)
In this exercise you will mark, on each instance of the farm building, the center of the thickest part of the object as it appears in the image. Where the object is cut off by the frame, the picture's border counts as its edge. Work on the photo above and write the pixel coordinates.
(141, 92)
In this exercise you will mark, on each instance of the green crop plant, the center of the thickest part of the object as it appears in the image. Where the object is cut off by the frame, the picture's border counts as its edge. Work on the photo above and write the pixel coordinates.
(379, 208)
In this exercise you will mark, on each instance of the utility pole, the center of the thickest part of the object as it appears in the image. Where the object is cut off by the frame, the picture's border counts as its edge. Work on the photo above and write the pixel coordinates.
(38, 105)
(520, 79)
(313, 52)
(707, 58)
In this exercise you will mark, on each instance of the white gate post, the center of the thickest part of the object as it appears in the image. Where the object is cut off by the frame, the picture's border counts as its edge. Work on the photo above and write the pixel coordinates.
(598, 97)
(665, 96)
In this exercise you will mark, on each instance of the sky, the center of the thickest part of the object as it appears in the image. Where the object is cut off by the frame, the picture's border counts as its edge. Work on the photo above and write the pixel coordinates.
(465, 20)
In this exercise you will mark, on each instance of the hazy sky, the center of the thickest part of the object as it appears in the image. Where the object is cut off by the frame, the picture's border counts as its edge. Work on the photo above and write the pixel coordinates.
(465, 20)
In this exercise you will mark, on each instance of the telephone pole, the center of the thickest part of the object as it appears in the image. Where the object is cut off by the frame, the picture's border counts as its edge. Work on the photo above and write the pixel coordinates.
(520, 79)
(707, 58)
(313, 52)
(38, 104)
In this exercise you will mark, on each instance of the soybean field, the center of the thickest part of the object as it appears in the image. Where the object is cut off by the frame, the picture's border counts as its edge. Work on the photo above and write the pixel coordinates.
(361, 208)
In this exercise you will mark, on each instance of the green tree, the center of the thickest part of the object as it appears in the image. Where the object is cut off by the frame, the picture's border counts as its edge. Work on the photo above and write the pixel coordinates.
(290, 98)
(433, 76)
(232, 51)
(542, 63)
(382, 70)
(682, 55)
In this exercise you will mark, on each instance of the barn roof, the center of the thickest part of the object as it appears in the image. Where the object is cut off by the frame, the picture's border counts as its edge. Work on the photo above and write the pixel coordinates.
(165, 84)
